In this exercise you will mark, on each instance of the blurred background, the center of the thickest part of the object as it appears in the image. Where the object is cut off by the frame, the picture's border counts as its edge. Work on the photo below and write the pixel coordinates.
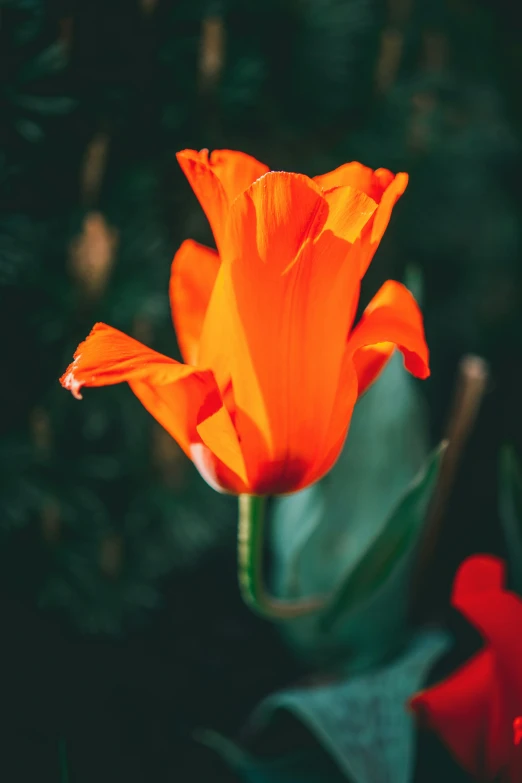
(121, 628)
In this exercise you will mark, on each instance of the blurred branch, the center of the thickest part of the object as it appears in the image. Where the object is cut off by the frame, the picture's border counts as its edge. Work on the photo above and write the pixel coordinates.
(392, 40)
(389, 59)
(435, 50)
(470, 388)
(66, 31)
(212, 52)
(92, 255)
(93, 170)
(148, 6)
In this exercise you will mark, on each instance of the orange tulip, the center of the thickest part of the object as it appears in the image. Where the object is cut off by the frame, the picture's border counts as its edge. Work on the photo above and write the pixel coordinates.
(265, 325)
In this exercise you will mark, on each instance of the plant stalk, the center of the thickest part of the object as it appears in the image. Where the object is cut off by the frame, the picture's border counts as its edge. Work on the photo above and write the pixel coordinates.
(250, 567)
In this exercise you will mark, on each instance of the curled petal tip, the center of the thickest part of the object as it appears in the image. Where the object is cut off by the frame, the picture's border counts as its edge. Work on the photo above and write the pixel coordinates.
(69, 382)
(68, 379)
(401, 180)
(188, 153)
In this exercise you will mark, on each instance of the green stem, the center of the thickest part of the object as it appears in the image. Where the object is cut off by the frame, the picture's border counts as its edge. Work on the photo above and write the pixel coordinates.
(250, 567)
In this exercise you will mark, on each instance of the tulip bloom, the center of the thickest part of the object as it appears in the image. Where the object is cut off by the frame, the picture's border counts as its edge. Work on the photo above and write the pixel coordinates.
(273, 365)
(476, 711)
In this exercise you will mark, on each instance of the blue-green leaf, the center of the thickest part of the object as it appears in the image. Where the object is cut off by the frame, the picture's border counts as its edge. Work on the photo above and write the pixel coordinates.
(389, 553)
(363, 722)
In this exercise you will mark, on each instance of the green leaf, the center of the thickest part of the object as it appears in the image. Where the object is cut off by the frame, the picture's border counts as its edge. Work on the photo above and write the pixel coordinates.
(363, 722)
(510, 511)
(389, 550)
(357, 529)
(361, 727)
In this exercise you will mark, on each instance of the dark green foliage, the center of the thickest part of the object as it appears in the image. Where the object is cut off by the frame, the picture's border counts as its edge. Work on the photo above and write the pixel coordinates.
(120, 618)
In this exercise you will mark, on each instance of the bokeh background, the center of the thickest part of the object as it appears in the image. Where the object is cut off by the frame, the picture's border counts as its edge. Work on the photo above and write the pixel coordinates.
(121, 628)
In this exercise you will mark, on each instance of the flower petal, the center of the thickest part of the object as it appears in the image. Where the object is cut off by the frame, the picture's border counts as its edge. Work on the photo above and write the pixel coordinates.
(341, 415)
(192, 278)
(287, 331)
(109, 356)
(477, 574)
(349, 212)
(216, 181)
(371, 182)
(474, 709)
(235, 170)
(214, 346)
(380, 185)
(494, 611)
(383, 214)
(392, 319)
(219, 437)
(497, 613)
(458, 710)
(179, 397)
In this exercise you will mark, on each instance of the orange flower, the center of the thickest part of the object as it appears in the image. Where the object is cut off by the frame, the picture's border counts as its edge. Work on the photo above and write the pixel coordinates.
(273, 366)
